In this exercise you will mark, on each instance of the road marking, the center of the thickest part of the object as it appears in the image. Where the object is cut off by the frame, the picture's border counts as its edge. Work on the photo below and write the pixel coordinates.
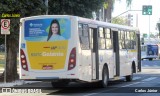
(149, 79)
(145, 65)
(90, 94)
(135, 78)
(101, 92)
(111, 89)
(130, 84)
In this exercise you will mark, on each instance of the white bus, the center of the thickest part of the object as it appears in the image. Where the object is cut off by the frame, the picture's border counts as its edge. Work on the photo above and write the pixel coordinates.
(149, 51)
(62, 48)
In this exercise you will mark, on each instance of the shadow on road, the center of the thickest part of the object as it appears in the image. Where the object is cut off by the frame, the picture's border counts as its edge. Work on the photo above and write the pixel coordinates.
(82, 88)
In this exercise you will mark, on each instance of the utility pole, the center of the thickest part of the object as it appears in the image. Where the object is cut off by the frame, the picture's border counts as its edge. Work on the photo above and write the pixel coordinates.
(136, 20)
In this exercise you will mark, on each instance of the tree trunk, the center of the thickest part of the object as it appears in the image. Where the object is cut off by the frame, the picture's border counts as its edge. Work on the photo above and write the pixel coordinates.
(11, 72)
(108, 11)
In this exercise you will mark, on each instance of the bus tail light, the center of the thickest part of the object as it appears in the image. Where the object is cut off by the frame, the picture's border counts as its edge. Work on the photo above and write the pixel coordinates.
(72, 59)
(23, 61)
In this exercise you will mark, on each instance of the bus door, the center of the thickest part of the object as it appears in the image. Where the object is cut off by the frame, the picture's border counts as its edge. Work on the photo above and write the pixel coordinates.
(116, 53)
(94, 52)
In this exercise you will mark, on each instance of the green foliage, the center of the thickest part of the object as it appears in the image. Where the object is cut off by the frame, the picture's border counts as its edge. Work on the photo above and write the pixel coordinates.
(128, 2)
(26, 8)
(120, 20)
(82, 8)
(23, 7)
(152, 35)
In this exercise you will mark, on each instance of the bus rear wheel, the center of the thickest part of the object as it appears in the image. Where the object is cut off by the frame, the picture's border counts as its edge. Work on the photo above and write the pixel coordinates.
(105, 77)
(60, 83)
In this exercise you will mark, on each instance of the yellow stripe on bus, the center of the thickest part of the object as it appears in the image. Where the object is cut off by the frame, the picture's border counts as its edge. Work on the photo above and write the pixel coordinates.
(47, 55)
(132, 50)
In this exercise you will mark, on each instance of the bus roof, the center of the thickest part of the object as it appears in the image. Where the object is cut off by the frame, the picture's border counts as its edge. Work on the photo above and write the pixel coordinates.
(89, 21)
(109, 25)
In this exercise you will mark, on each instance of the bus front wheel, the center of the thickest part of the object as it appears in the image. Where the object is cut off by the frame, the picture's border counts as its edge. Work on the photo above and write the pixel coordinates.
(105, 77)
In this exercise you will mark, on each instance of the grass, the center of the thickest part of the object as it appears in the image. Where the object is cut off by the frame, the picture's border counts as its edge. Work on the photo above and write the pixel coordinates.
(2, 61)
(1, 66)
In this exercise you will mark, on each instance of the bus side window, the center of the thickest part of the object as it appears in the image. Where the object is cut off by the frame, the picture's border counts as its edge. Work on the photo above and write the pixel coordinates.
(122, 40)
(127, 40)
(133, 40)
(101, 39)
(108, 40)
(84, 37)
(85, 30)
(142, 48)
(80, 29)
(91, 37)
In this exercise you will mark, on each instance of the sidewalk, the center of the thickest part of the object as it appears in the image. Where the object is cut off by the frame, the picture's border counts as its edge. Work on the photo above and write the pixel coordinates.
(150, 71)
(1, 70)
(17, 83)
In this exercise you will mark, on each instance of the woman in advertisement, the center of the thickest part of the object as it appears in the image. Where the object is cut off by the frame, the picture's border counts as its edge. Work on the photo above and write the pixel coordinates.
(54, 31)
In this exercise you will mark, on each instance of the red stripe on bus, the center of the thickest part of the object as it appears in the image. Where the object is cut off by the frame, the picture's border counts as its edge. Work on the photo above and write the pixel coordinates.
(46, 47)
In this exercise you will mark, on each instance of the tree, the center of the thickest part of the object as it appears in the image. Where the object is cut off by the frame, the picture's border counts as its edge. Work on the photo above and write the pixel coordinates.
(83, 8)
(120, 20)
(24, 8)
(109, 6)
(152, 35)
(129, 2)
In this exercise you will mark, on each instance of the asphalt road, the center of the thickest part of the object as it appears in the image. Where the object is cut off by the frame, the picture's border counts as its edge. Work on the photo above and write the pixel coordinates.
(150, 64)
(148, 79)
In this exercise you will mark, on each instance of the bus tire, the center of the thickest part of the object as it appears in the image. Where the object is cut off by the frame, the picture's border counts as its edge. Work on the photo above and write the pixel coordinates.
(60, 83)
(130, 77)
(105, 77)
(150, 59)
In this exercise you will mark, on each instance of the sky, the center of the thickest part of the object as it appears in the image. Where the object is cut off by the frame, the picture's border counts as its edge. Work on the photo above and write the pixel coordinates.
(142, 20)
